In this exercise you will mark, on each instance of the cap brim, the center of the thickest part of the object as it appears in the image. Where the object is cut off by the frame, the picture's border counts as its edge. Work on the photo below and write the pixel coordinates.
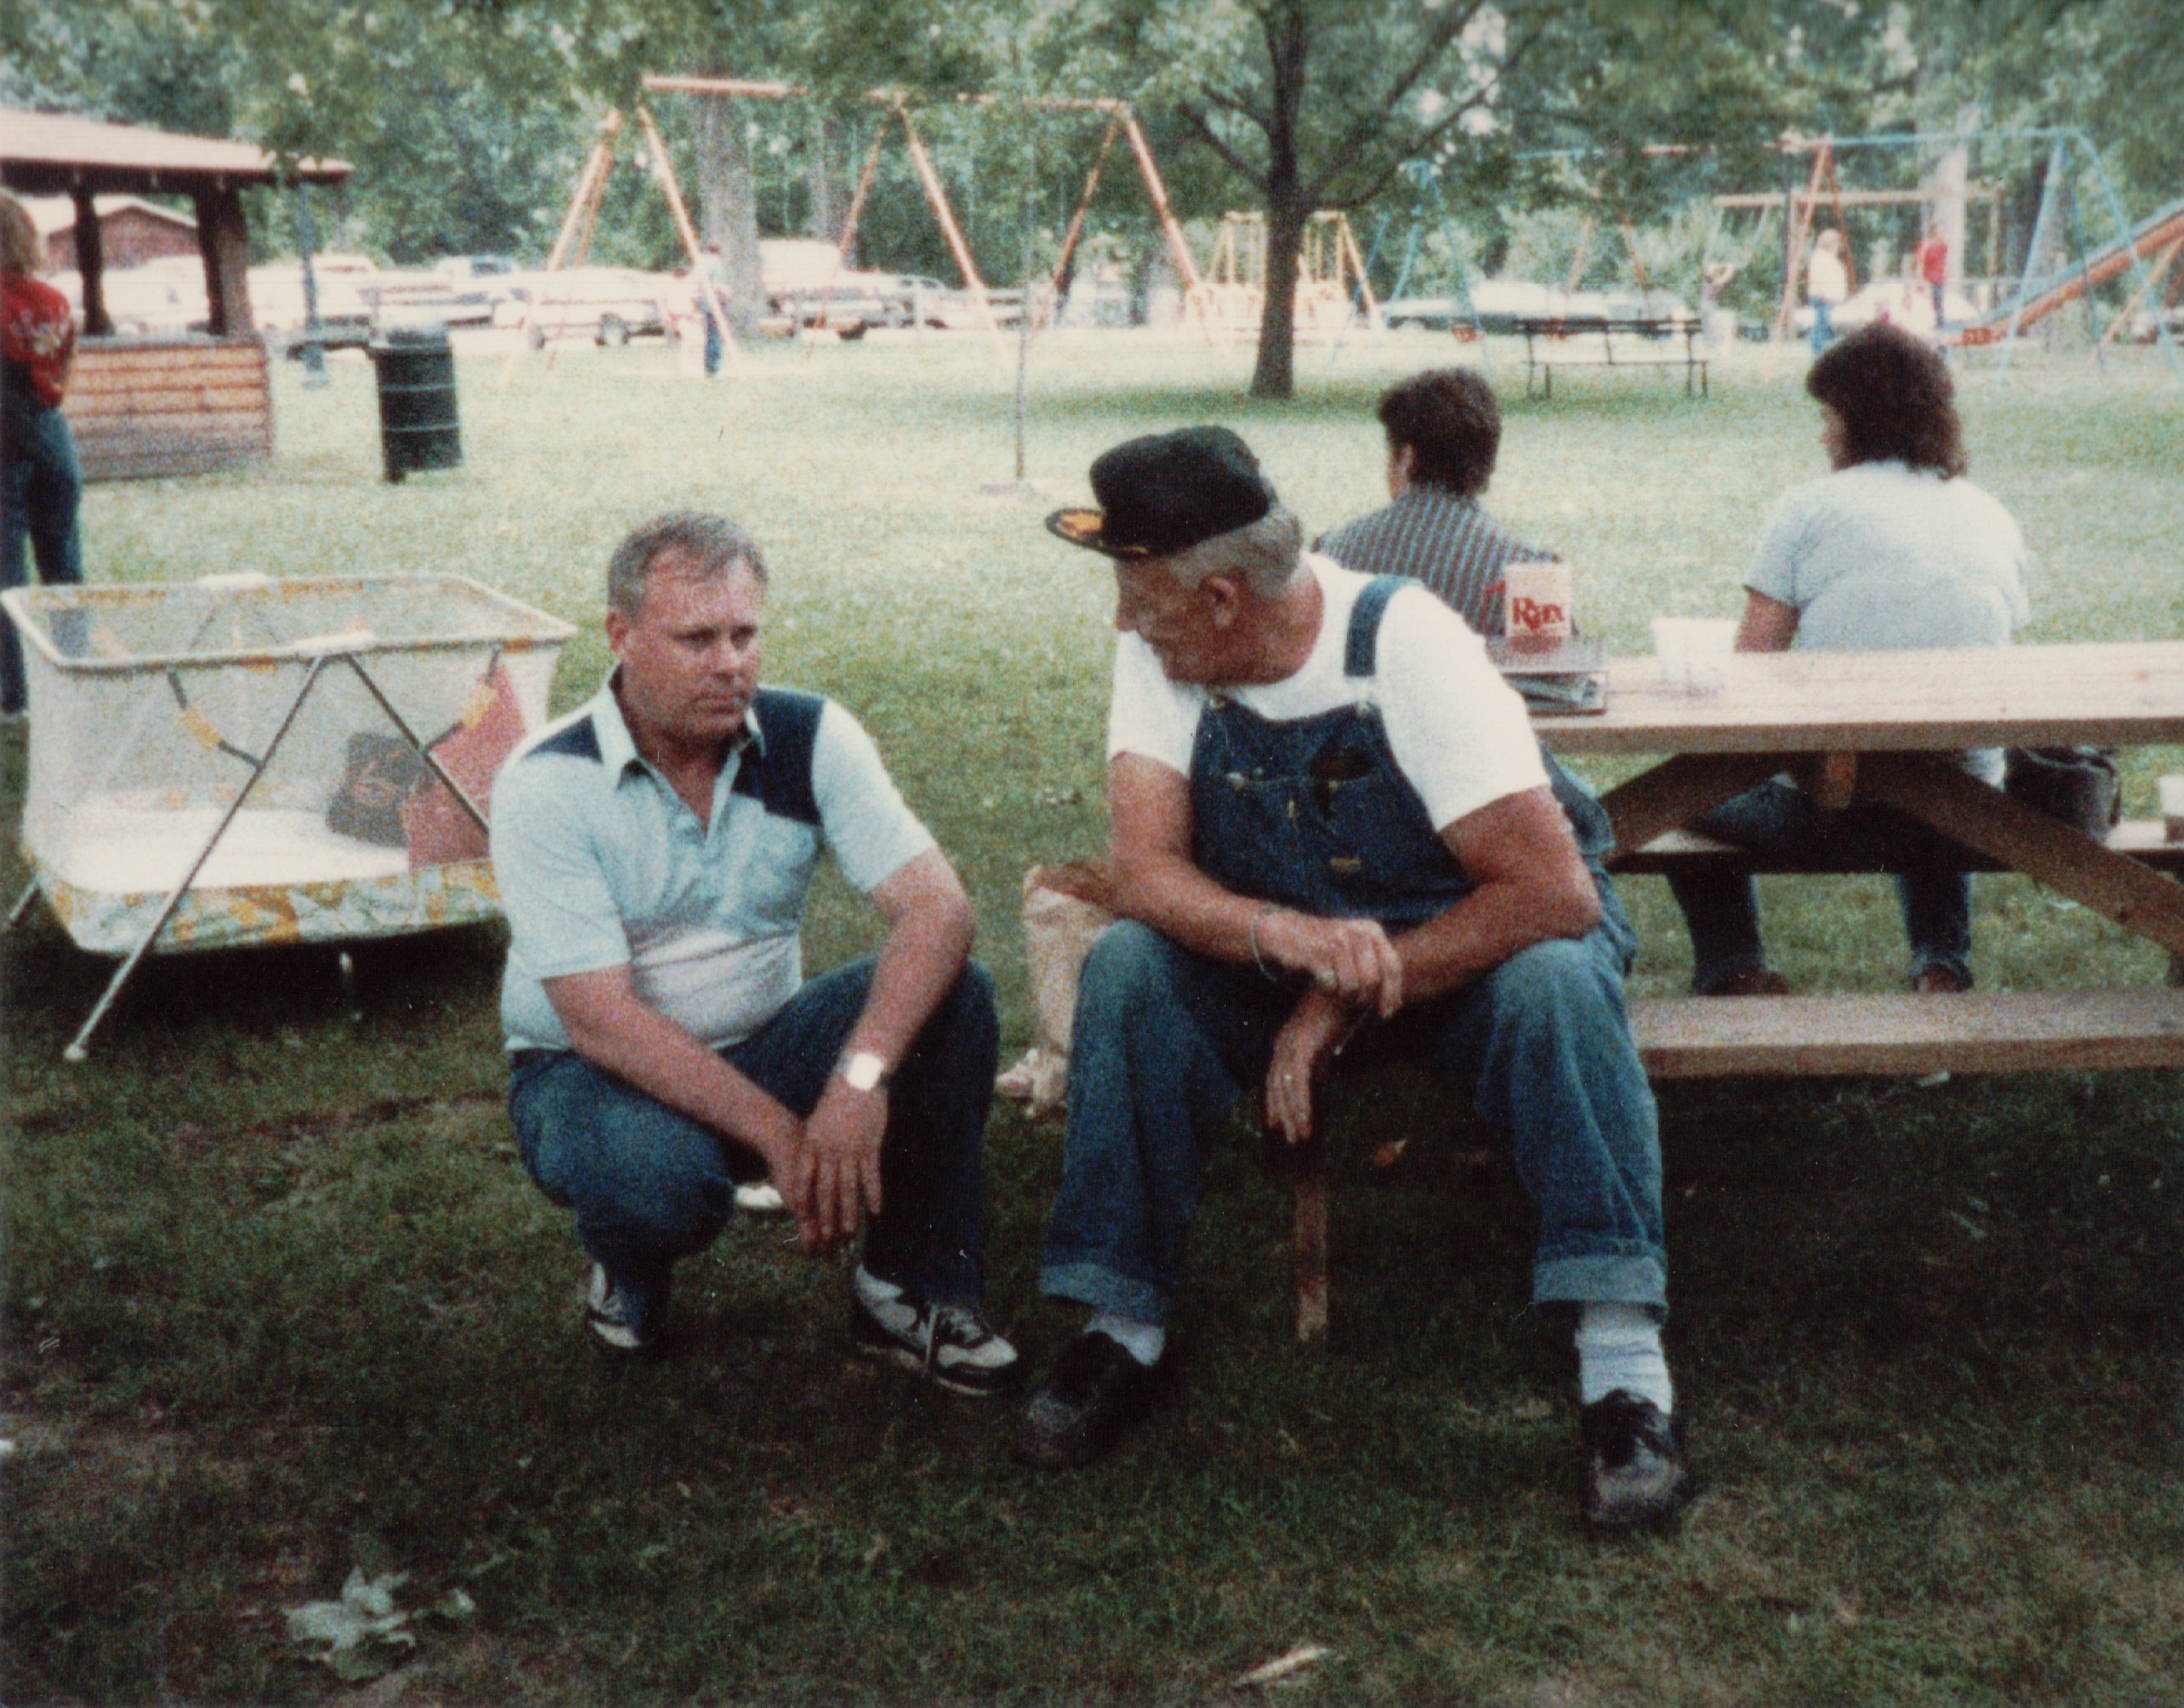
(1086, 527)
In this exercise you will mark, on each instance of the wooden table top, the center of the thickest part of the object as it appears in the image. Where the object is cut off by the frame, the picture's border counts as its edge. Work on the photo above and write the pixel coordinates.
(2106, 694)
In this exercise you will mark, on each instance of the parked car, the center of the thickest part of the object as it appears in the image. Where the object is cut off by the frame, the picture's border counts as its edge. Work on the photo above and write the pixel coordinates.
(913, 298)
(611, 306)
(345, 315)
(2143, 330)
(167, 295)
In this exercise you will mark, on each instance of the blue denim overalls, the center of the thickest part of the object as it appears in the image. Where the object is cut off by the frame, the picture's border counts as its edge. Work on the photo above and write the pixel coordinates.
(1313, 813)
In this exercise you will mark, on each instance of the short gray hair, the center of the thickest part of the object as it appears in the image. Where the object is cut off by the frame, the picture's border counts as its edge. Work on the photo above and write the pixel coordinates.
(1265, 555)
(706, 546)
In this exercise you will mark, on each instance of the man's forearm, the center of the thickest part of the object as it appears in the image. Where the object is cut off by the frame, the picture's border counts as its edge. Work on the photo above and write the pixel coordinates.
(638, 1044)
(1496, 921)
(1183, 904)
(918, 965)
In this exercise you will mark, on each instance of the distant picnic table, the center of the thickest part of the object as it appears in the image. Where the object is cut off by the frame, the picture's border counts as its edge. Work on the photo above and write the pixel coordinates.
(1553, 341)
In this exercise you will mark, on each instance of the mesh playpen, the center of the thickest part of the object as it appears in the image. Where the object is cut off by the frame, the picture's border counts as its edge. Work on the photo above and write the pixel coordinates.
(242, 759)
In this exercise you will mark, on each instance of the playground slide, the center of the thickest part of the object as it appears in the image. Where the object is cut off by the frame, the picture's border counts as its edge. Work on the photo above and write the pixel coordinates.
(2041, 297)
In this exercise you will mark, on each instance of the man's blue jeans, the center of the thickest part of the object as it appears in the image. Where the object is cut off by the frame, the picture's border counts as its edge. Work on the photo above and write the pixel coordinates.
(649, 1185)
(1165, 1041)
(1723, 908)
(41, 490)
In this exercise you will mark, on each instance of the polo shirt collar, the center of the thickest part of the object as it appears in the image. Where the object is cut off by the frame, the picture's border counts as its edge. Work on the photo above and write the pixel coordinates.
(1419, 495)
(618, 747)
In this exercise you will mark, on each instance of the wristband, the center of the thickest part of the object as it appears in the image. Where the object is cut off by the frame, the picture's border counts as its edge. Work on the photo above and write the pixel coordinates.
(1258, 920)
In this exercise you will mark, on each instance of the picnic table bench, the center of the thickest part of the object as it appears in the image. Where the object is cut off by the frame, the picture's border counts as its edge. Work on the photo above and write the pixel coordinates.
(1590, 341)
(1881, 725)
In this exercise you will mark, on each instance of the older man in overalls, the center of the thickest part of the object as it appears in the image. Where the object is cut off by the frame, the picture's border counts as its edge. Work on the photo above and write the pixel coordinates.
(1328, 808)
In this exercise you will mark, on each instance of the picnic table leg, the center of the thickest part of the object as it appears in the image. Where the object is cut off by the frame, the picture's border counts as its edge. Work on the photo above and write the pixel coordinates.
(1312, 1240)
(1953, 801)
(1677, 791)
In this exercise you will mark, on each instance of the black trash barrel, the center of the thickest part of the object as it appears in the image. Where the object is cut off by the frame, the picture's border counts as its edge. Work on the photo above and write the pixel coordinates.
(418, 428)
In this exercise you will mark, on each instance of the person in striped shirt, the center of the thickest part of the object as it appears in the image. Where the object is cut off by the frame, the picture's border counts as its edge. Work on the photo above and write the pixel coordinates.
(1444, 433)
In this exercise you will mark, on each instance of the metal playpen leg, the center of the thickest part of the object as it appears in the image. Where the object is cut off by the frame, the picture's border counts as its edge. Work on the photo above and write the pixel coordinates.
(78, 1047)
(22, 906)
(424, 751)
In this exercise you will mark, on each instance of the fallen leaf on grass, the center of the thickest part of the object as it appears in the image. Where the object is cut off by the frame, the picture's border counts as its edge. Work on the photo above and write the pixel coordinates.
(359, 1636)
(1282, 1665)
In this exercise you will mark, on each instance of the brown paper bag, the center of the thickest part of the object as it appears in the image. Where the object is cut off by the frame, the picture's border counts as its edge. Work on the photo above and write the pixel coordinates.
(1065, 910)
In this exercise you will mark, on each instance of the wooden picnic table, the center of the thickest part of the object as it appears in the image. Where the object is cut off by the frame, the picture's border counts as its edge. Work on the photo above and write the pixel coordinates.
(1881, 725)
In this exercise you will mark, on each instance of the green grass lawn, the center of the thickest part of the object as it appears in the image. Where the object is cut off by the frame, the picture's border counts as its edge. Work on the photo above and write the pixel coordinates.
(281, 1301)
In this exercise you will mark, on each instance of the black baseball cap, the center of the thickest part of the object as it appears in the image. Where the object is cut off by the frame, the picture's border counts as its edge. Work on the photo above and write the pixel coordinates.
(1168, 492)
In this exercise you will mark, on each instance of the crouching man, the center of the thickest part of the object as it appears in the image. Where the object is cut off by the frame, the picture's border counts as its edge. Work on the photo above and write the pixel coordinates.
(1328, 807)
(654, 851)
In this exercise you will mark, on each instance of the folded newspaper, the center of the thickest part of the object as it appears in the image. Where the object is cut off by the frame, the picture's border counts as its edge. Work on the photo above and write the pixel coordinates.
(1562, 676)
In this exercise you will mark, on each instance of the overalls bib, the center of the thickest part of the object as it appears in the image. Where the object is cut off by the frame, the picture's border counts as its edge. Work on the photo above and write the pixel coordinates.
(1315, 814)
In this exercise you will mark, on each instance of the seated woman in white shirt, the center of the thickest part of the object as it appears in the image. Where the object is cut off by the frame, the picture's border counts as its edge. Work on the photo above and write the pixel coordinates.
(1894, 549)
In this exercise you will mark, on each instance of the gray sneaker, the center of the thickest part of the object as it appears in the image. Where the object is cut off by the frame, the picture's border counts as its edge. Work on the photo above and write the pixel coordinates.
(619, 1316)
(951, 1345)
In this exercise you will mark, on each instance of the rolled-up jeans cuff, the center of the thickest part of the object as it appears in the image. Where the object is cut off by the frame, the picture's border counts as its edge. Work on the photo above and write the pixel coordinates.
(1943, 963)
(1104, 1290)
(1639, 1278)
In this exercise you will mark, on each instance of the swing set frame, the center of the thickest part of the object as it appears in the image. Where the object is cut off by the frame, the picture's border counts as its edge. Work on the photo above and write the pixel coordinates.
(894, 109)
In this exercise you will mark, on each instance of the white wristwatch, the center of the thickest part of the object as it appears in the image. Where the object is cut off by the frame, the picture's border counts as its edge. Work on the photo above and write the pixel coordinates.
(861, 1070)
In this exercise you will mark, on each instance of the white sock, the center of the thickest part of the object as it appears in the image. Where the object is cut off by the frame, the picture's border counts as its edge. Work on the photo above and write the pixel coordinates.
(1619, 1346)
(1143, 1341)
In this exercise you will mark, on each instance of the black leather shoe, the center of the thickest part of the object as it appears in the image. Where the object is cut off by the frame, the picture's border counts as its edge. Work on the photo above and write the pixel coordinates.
(1633, 1473)
(1096, 1392)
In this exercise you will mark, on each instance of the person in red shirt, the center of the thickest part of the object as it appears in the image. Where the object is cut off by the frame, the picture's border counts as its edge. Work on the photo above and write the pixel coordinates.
(1931, 257)
(41, 485)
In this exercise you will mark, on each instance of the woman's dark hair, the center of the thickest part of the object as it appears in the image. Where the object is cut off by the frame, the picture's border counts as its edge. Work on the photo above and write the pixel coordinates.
(1896, 398)
(1451, 421)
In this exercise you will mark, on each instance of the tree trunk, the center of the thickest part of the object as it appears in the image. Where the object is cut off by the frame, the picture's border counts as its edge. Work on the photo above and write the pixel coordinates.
(1288, 46)
(728, 208)
(829, 210)
(1274, 376)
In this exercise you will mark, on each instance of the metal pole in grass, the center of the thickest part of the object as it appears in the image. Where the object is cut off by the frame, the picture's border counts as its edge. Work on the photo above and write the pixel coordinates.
(314, 352)
(1024, 304)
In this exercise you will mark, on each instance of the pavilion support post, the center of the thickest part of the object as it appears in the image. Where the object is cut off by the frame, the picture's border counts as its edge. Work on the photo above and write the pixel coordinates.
(90, 266)
(224, 240)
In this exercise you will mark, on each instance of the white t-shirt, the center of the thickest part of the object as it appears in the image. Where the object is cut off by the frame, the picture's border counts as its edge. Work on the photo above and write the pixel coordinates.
(1826, 279)
(1458, 732)
(1882, 555)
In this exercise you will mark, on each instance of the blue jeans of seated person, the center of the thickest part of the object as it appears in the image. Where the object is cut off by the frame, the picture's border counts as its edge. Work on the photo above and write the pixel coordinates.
(1164, 1041)
(649, 1185)
(1723, 908)
(40, 491)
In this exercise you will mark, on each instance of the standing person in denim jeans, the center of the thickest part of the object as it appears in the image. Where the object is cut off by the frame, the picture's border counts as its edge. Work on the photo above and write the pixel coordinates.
(1894, 549)
(40, 484)
(654, 851)
(1329, 810)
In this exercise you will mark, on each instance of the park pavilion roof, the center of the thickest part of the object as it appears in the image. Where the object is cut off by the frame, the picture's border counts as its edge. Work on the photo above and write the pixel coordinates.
(52, 153)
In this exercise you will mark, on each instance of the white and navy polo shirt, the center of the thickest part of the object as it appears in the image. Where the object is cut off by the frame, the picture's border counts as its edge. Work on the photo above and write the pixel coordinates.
(601, 864)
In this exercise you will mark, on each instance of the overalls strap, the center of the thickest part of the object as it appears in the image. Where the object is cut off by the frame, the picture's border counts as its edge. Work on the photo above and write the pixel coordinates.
(1360, 657)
